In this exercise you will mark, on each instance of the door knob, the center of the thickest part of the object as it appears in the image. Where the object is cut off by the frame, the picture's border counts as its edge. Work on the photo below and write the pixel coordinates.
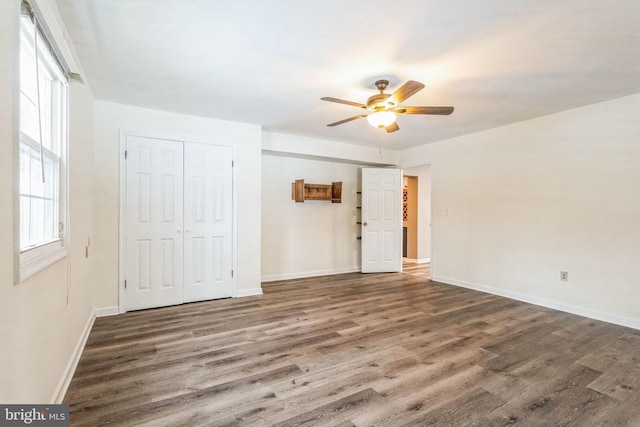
(364, 224)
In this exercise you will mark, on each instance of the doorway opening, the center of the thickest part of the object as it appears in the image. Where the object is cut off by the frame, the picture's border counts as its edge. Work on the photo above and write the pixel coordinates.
(416, 220)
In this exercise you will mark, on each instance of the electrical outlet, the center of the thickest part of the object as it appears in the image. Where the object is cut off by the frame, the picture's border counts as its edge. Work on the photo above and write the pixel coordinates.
(564, 276)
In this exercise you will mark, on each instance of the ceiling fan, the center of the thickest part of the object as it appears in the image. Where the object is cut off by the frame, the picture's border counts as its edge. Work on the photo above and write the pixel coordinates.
(384, 106)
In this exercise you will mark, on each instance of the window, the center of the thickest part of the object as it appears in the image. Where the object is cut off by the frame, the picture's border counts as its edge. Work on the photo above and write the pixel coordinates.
(43, 136)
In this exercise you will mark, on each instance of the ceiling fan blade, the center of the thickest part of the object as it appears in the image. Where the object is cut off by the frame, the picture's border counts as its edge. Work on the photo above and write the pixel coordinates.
(405, 91)
(347, 120)
(342, 101)
(392, 127)
(444, 111)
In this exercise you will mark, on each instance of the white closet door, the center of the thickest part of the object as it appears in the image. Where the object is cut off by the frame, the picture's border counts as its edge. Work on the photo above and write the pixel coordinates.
(154, 221)
(381, 220)
(208, 214)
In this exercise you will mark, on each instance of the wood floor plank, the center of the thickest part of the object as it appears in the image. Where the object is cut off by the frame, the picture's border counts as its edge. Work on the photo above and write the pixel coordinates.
(430, 387)
(222, 395)
(337, 412)
(357, 350)
(465, 409)
(620, 362)
(541, 401)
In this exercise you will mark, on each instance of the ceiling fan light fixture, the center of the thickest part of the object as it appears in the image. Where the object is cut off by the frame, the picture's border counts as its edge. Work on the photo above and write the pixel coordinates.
(381, 119)
(383, 106)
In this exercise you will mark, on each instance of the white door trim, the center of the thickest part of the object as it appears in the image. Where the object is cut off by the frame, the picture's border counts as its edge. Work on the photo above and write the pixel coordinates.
(122, 146)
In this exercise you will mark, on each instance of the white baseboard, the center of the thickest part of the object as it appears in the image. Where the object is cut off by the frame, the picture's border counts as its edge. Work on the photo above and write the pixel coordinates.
(248, 292)
(70, 369)
(107, 311)
(580, 311)
(302, 275)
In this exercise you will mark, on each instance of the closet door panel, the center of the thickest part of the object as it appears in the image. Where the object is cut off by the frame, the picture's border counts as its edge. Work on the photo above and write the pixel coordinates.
(208, 211)
(154, 223)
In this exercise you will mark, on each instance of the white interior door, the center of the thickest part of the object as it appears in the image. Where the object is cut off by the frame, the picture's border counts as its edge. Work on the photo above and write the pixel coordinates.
(154, 221)
(381, 220)
(208, 260)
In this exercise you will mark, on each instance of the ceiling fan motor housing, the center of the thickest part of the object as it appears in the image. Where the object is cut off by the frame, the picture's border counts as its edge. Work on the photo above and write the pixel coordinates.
(376, 101)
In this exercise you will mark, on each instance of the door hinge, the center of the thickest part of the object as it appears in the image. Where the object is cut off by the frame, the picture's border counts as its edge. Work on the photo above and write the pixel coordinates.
(125, 284)
(231, 273)
(232, 163)
(125, 154)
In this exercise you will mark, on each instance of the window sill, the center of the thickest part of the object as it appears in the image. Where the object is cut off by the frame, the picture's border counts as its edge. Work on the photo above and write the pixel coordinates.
(37, 259)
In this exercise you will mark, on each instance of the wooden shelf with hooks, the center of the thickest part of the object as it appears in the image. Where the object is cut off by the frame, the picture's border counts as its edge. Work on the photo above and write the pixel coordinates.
(301, 191)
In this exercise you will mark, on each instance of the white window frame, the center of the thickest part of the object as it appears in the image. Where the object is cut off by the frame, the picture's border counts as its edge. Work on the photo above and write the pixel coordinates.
(31, 260)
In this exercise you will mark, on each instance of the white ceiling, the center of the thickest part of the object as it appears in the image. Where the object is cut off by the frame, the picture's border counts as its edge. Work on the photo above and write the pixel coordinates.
(270, 62)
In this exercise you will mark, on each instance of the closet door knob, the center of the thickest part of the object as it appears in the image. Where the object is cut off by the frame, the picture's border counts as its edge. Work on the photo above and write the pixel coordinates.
(364, 224)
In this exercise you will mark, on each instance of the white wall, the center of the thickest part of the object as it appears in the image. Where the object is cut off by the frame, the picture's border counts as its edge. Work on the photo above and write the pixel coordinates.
(311, 238)
(44, 318)
(423, 173)
(514, 206)
(110, 120)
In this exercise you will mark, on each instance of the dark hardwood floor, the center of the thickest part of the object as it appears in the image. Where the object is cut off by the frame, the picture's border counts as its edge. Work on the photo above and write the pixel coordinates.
(354, 349)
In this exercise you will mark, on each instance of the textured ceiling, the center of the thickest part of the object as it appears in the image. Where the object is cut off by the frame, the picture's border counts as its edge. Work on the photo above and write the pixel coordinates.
(270, 62)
